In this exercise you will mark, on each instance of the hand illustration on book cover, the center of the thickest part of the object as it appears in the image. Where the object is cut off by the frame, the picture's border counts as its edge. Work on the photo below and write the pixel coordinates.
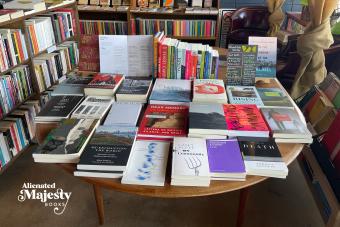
(194, 163)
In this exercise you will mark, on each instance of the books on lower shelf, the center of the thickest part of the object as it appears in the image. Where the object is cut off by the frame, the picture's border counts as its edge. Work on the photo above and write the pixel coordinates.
(93, 107)
(134, 89)
(209, 91)
(108, 151)
(190, 165)
(13, 48)
(103, 27)
(147, 163)
(123, 114)
(66, 143)
(58, 108)
(191, 28)
(104, 84)
(15, 87)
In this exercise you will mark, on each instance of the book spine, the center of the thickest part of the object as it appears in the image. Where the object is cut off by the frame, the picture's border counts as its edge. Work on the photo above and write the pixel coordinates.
(164, 61)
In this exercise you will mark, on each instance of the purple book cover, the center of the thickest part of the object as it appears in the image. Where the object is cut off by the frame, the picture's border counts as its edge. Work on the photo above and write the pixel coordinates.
(225, 156)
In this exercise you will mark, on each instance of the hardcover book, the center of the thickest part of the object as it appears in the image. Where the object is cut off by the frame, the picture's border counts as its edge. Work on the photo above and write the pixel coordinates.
(286, 124)
(104, 84)
(262, 157)
(93, 107)
(66, 143)
(171, 91)
(147, 164)
(243, 95)
(58, 107)
(134, 89)
(190, 165)
(243, 120)
(124, 114)
(109, 149)
(165, 121)
(274, 97)
(209, 90)
(241, 64)
(89, 59)
(266, 56)
(225, 160)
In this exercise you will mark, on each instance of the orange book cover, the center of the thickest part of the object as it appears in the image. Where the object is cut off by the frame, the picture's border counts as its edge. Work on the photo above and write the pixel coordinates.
(34, 39)
(19, 45)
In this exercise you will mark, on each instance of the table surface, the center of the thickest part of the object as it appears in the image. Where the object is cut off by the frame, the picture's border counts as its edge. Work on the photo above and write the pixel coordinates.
(288, 151)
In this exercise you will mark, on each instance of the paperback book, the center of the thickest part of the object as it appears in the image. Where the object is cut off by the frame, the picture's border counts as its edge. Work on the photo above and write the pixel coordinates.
(243, 95)
(147, 163)
(274, 97)
(104, 84)
(209, 91)
(93, 107)
(134, 89)
(123, 114)
(66, 143)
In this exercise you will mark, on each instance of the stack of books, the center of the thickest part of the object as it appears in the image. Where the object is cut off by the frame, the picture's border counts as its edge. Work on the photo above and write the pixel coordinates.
(209, 91)
(107, 153)
(93, 107)
(134, 89)
(104, 84)
(123, 114)
(190, 165)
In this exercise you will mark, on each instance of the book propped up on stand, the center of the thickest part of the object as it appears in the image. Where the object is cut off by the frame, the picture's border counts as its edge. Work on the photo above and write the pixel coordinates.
(104, 84)
(66, 143)
(262, 157)
(107, 153)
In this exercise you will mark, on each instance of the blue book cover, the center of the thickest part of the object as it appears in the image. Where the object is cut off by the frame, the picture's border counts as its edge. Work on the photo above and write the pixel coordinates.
(171, 90)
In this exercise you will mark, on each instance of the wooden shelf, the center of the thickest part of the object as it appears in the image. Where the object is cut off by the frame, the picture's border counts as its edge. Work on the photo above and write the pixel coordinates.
(25, 149)
(57, 44)
(13, 67)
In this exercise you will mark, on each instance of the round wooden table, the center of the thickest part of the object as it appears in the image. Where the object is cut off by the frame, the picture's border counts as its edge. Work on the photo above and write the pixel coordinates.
(289, 153)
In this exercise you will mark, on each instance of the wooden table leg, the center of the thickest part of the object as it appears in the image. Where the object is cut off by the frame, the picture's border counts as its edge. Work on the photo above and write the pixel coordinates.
(99, 202)
(244, 192)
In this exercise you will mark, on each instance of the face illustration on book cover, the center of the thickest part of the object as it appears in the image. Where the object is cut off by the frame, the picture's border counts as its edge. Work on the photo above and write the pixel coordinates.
(209, 88)
(166, 120)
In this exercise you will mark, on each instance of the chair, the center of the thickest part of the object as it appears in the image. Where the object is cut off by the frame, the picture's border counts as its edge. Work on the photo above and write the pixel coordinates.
(248, 21)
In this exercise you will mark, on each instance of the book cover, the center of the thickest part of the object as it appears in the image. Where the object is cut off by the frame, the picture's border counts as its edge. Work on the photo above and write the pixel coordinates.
(274, 97)
(77, 81)
(68, 140)
(207, 117)
(68, 90)
(126, 113)
(241, 64)
(190, 158)
(168, 3)
(164, 121)
(285, 122)
(60, 106)
(171, 90)
(89, 59)
(93, 107)
(266, 56)
(147, 164)
(209, 89)
(244, 117)
(243, 95)
(225, 157)
(109, 149)
(105, 81)
(134, 86)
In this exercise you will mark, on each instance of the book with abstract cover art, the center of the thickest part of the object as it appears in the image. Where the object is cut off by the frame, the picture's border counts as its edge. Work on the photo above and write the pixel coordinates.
(105, 80)
(209, 89)
(66, 143)
(168, 3)
(147, 163)
(243, 120)
(241, 64)
(274, 97)
(89, 57)
(266, 56)
(165, 121)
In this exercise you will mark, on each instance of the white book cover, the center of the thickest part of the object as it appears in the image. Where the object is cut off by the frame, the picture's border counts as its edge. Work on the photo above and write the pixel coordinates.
(209, 89)
(93, 107)
(171, 90)
(124, 113)
(190, 158)
(244, 95)
(147, 163)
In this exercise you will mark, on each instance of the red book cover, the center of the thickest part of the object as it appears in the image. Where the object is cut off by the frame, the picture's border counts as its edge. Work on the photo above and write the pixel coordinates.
(311, 103)
(187, 64)
(164, 121)
(194, 66)
(244, 118)
(89, 53)
(164, 59)
(13, 134)
(105, 81)
(61, 25)
(159, 60)
(332, 137)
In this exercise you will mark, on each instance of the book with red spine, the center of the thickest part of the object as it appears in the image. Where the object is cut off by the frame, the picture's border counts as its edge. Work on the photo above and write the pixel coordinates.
(18, 40)
(245, 120)
(159, 60)
(331, 138)
(164, 121)
(61, 26)
(73, 15)
(89, 57)
(164, 58)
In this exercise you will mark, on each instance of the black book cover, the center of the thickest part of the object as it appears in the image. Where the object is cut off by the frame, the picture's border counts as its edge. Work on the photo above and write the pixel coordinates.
(110, 146)
(259, 149)
(60, 106)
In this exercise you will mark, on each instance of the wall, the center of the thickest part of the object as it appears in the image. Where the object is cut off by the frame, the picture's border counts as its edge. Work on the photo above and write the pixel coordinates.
(289, 5)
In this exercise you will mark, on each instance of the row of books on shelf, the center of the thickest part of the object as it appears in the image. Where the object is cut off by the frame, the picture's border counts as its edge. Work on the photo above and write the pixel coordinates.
(103, 7)
(51, 67)
(15, 87)
(191, 28)
(17, 130)
(173, 3)
(102, 27)
(106, 3)
(187, 10)
(13, 49)
(174, 59)
(50, 29)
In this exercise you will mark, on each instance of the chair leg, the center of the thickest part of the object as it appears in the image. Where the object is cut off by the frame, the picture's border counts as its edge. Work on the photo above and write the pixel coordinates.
(244, 192)
(99, 203)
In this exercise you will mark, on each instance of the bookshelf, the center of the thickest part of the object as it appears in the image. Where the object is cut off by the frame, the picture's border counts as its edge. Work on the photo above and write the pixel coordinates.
(19, 23)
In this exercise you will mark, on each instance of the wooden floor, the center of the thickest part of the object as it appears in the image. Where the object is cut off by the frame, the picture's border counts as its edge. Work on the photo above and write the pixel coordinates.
(277, 203)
